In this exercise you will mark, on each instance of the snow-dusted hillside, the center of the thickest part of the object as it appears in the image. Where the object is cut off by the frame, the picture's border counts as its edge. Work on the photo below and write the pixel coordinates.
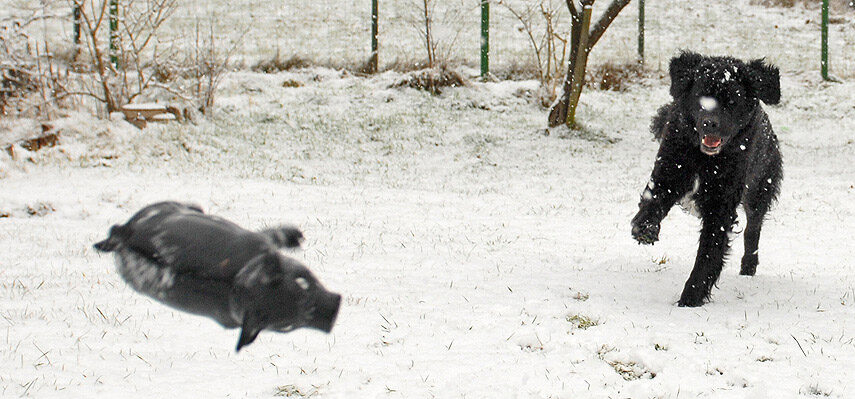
(477, 256)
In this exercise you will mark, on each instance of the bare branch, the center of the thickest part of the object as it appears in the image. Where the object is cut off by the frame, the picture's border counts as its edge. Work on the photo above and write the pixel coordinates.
(571, 5)
(525, 20)
(81, 93)
(172, 91)
(605, 20)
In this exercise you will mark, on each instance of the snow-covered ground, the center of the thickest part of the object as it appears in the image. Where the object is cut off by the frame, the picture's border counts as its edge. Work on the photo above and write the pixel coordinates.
(477, 256)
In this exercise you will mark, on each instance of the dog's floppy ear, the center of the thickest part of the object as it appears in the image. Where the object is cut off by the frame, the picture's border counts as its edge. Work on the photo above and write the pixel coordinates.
(260, 271)
(765, 81)
(682, 70)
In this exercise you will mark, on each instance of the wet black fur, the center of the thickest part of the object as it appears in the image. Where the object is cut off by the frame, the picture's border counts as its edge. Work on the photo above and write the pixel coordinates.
(747, 171)
(206, 265)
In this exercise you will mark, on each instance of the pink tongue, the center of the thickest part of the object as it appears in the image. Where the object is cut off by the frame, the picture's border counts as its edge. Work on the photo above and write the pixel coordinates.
(712, 141)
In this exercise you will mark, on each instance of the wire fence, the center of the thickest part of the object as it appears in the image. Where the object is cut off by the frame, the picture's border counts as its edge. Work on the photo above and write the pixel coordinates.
(337, 33)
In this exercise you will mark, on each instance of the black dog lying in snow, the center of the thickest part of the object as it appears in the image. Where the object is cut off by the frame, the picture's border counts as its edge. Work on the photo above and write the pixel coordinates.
(718, 150)
(206, 265)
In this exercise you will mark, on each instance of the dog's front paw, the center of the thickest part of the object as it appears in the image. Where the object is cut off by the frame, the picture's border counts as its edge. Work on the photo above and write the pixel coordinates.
(645, 232)
(692, 298)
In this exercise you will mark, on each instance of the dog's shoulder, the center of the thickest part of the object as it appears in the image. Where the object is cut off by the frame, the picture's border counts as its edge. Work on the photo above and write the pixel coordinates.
(664, 121)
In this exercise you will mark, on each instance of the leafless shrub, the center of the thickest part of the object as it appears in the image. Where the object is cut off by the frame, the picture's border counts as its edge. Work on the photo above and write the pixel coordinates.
(438, 49)
(124, 65)
(540, 21)
(131, 60)
(208, 64)
(30, 81)
(17, 78)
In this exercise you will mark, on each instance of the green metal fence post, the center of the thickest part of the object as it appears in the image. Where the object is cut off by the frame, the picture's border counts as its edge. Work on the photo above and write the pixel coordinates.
(641, 31)
(824, 50)
(374, 61)
(114, 33)
(76, 14)
(76, 31)
(485, 38)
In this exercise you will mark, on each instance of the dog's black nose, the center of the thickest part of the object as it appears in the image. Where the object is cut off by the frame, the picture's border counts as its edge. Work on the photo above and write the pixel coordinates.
(709, 123)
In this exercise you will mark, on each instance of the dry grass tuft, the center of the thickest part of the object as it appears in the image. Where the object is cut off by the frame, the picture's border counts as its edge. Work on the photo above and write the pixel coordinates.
(518, 70)
(278, 64)
(291, 83)
(836, 6)
(615, 77)
(434, 80)
(582, 322)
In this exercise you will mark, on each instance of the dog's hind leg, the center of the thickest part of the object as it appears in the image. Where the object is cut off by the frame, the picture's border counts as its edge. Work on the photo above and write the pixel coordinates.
(752, 240)
(757, 201)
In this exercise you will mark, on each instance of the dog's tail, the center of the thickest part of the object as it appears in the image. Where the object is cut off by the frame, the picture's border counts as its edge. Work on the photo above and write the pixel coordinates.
(114, 239)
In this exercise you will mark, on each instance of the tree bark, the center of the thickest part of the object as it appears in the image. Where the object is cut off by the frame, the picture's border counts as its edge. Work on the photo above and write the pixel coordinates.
(580, 65)
(558, 113)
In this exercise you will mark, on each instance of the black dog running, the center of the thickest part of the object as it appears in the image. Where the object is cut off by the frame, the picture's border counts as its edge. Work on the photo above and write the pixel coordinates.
(206, 265)
(717, 150)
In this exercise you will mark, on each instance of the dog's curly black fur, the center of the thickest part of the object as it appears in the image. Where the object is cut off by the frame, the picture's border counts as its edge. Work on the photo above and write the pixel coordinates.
(717, 148)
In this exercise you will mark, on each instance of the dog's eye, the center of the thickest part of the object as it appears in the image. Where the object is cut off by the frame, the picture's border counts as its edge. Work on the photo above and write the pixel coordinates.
(302, 282)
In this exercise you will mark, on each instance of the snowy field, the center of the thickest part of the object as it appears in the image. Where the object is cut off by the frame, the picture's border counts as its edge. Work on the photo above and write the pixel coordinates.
(477, 256)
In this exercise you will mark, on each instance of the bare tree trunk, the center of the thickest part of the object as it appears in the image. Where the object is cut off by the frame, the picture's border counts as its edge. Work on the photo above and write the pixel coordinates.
(558, 113)
(581, 42)
(580, 67)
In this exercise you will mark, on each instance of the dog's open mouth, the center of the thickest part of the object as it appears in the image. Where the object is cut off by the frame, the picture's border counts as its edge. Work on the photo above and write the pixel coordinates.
(711, 144)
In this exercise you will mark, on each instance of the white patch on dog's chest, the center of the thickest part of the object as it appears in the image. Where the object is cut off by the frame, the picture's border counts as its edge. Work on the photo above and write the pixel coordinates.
(688, 201)
(708, 103)
(142, 274)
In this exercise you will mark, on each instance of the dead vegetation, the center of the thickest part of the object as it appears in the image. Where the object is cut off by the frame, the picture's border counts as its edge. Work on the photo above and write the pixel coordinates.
(278, 64)
(835, 6)
(541, 22)
(615, 77)
(30, 83)
(116, 57)
(434, 80)
(48, 138)
(582, 322)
